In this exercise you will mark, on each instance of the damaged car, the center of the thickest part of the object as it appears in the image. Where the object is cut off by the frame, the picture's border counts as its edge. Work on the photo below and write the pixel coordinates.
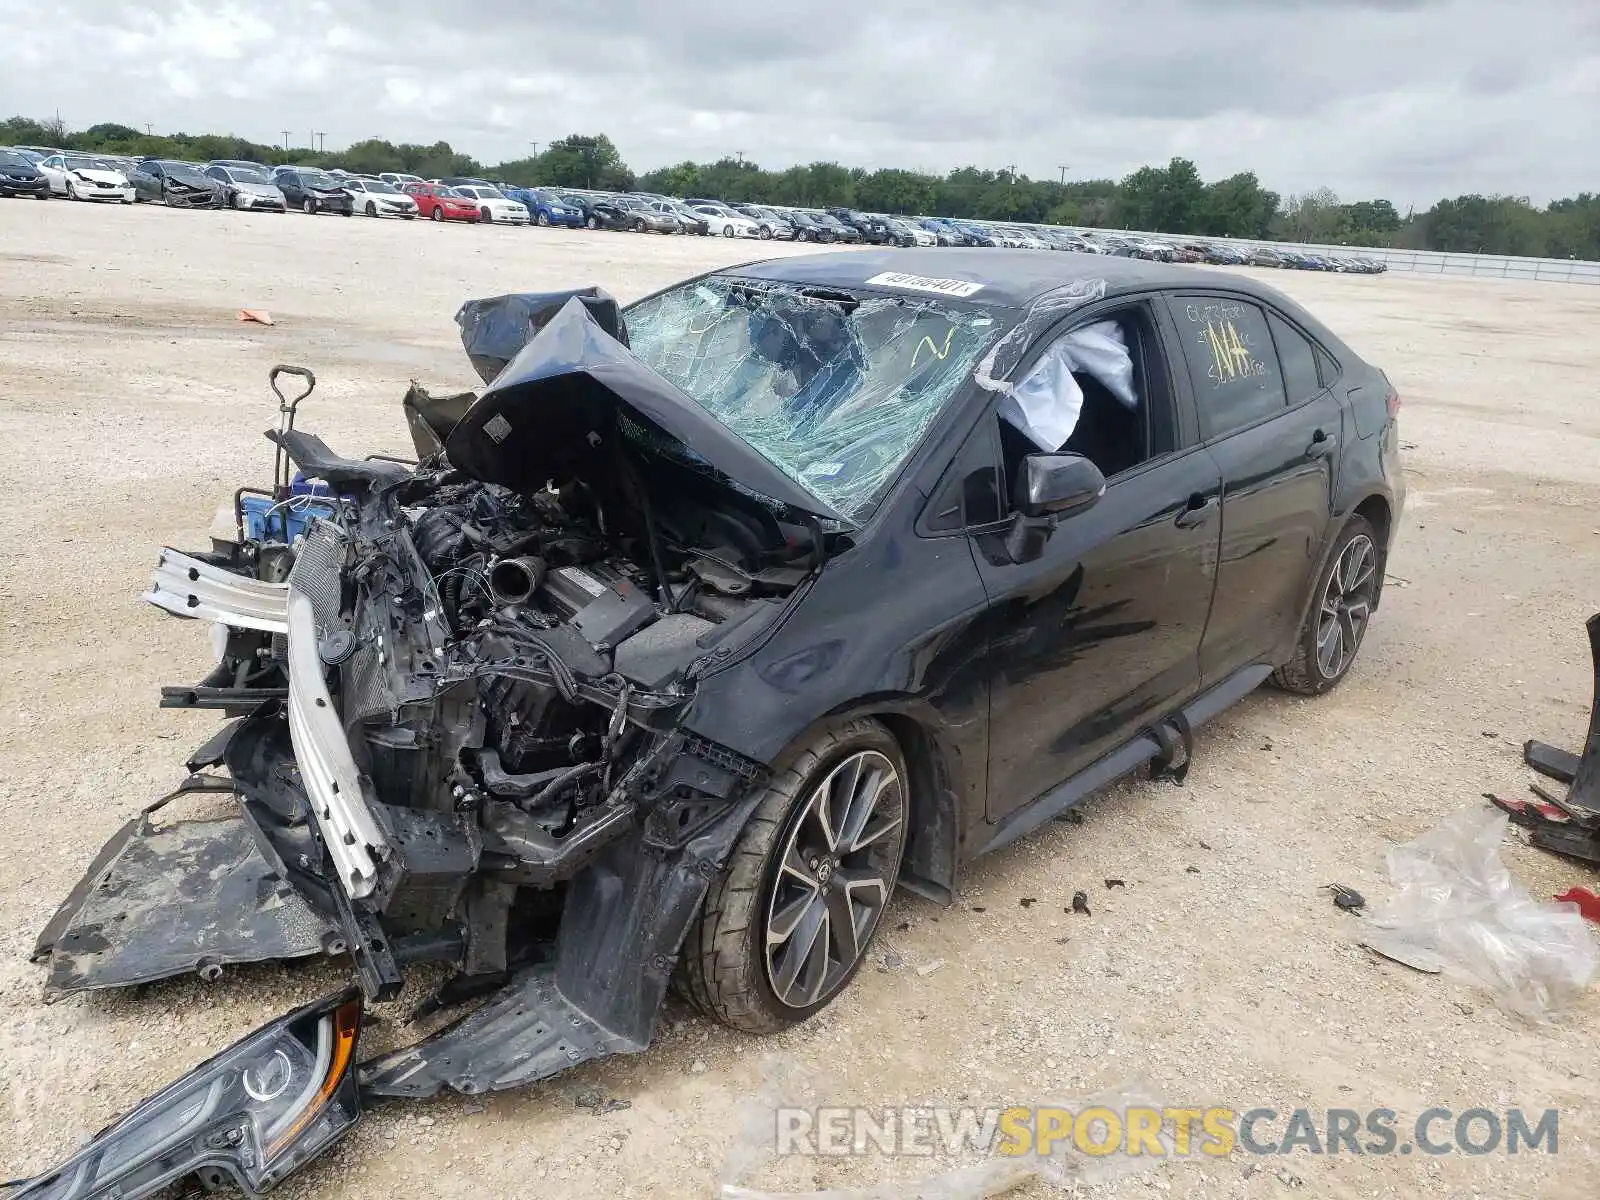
(705, 625)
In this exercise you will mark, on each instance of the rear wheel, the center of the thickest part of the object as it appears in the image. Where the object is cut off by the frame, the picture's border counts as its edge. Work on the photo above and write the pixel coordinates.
(1339, 615)
(787, 924)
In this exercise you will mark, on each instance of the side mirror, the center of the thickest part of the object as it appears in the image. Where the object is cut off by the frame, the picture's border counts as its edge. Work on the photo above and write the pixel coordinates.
(1057, 485)
(1047, 488)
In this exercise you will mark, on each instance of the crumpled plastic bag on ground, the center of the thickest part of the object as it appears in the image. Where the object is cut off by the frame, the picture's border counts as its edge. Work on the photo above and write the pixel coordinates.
(1458, 909)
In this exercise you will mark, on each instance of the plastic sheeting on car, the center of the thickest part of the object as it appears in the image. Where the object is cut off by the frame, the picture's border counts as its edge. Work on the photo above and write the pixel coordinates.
(833, 391)
(1458, 910)
(494, 329)
(1046, 402)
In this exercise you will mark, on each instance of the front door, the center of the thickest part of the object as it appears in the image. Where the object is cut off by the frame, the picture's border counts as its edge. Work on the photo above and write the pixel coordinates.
(1100, 635)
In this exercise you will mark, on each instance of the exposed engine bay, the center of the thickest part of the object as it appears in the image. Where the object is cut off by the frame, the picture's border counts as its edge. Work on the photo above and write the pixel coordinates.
(480, 683)
(457, 706)
(457, 690)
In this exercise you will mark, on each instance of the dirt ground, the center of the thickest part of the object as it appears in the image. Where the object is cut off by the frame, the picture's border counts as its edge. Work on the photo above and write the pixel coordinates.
(131, 403)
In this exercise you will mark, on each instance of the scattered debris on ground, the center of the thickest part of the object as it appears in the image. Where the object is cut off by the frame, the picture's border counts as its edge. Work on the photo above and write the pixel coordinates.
(1456, 909)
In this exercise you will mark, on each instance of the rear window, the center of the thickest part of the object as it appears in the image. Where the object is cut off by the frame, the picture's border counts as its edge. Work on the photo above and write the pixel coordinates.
(1229, 353)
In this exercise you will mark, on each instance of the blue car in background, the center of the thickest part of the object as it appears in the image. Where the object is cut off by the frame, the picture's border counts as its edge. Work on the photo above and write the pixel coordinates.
(545, 207)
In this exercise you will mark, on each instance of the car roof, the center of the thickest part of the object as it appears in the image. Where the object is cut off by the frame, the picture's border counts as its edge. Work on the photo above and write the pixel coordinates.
(1013, 278)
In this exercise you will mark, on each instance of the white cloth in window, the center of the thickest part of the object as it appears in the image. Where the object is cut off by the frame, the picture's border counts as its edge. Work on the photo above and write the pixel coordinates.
(1045, 404)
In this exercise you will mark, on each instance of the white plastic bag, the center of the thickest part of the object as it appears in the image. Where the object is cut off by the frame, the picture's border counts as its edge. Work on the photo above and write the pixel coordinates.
(1458, 909)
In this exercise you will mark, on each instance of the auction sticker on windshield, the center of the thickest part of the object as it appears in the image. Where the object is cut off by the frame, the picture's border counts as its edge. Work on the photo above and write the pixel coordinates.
(960, 288)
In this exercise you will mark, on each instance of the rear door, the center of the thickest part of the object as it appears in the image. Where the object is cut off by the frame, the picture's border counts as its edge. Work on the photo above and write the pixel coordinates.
(1275, 433)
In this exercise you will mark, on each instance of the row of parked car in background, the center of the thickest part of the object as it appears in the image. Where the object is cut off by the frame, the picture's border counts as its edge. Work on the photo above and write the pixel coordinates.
(235, 183)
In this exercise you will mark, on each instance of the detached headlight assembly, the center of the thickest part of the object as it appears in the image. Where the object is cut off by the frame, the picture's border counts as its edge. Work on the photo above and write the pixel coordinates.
(250, 1115)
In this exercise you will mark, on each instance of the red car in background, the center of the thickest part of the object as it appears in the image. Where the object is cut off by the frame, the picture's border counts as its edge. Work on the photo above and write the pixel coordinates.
(439, 203)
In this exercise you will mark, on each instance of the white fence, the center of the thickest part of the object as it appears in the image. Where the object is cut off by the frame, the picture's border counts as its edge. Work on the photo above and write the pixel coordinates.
(1496, 266)
(1437, 262)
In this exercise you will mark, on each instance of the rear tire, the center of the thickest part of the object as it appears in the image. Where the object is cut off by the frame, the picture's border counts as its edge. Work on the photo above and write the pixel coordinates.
(1340, 611)
(785, 882)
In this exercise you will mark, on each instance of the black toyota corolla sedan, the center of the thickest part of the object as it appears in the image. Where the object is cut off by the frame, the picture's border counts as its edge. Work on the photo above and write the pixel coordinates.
(707, 624)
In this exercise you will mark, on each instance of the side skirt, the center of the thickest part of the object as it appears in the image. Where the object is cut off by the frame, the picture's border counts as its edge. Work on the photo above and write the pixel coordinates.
(1145, 746)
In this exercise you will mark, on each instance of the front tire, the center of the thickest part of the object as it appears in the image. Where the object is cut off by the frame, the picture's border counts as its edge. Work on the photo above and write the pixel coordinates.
(544, 219)
(638, 227)
(787, 924)
(72, 192)
(308, 206)
(727, 231)
(372, 208)
(437, 214)
(591, 223)
(1341, 610)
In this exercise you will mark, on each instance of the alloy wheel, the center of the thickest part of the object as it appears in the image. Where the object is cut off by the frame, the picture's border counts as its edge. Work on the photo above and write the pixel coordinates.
(833, 882)
(1346, 606)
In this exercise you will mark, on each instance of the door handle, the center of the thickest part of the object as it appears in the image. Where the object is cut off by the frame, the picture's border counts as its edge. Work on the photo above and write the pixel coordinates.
(1322, 445)
(1198, 513)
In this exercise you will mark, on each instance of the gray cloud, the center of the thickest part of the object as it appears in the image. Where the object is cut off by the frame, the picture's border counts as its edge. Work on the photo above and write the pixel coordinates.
(1411, 99)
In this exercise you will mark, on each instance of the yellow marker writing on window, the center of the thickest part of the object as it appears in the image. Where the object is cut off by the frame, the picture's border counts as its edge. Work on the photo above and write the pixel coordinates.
(933, 347)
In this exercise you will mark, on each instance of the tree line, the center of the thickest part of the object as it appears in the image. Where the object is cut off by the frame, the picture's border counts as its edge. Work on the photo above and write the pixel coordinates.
(1162, 199)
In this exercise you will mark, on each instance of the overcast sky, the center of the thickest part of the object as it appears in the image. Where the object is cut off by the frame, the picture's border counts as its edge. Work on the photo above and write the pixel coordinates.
(1408, 99)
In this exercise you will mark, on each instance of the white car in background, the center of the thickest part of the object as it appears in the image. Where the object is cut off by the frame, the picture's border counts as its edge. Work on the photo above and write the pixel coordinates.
(376, 198)
(493, 205)
(399, 178)
(728, 223)
(246, 188)
(85, 177)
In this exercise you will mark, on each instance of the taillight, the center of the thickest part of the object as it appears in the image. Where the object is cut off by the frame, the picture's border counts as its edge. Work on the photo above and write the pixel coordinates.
(1394, 403)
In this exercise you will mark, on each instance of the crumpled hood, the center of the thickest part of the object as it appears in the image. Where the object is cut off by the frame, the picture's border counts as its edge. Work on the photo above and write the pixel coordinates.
(567, 387)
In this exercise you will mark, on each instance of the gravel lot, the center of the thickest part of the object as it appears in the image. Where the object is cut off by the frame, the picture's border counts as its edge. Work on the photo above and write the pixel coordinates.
(131, 402)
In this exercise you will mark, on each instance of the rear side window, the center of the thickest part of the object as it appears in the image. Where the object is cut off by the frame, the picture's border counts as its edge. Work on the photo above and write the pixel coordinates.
(1228, 351)
(1298, 358)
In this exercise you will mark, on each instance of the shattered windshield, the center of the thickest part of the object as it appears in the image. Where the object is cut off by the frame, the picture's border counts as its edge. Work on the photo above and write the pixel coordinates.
(834, 390)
